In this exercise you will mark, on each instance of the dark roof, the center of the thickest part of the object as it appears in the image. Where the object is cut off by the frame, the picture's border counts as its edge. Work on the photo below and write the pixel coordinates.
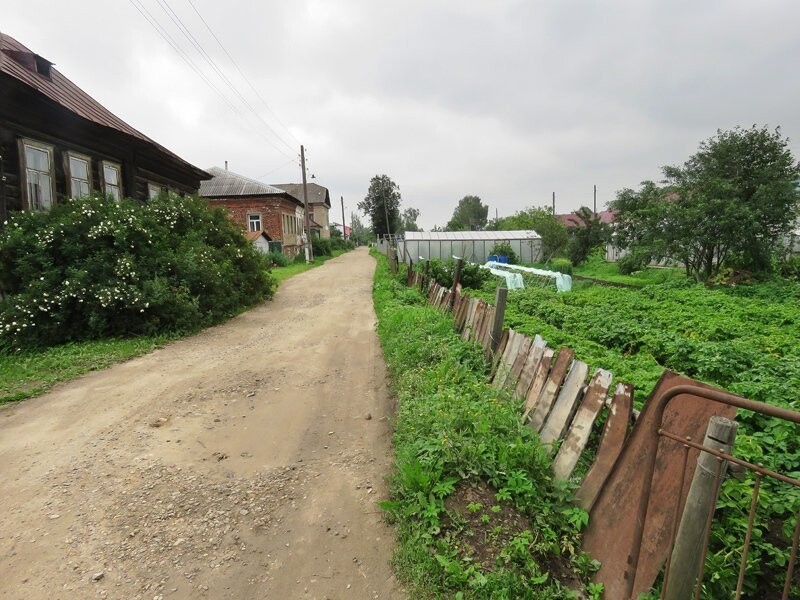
(316, 193)
(254, 235)
(227, 184)
(19, 62)
(573, 220)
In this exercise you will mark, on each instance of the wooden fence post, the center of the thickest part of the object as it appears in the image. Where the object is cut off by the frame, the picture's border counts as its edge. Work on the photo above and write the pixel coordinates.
(499, 313)
(692, 537)
(456, 281)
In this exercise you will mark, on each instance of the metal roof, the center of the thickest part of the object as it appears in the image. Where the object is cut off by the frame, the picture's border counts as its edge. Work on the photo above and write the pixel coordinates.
(316, 193)
(19, 62)
(227, 184)
(463, 236)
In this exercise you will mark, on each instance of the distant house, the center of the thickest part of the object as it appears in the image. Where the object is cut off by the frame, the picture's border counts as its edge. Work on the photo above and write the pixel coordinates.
(57, 142)
(256, 206)
(319, 205)
(260, 240)
(571, 220)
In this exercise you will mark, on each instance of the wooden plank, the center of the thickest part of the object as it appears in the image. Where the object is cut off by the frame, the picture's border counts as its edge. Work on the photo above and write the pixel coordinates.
(510, 383)
(500, 349)
(481, 308)
(550, 389)
(469, 321)
(539, 379)
(555, 426)
(504, 366)
(530, 366)
(486, 327)
(578, 436)
(461, 313)
(610, 447)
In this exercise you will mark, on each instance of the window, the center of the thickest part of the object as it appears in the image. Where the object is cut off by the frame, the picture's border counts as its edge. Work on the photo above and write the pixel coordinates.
(38, 174)
(153, 190)
(79, 175)
(254, 222)
(112, 185)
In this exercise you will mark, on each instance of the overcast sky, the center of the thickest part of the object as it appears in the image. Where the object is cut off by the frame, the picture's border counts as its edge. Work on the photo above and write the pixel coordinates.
(509, 100)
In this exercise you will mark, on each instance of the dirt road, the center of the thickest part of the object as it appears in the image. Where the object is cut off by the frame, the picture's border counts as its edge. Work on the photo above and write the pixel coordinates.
(244, 462)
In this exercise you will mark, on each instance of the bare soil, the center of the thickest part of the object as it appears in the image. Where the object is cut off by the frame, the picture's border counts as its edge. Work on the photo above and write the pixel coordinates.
(244, 462)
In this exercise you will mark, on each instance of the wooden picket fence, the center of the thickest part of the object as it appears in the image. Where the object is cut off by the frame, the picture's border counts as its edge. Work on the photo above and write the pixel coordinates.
(551, 385)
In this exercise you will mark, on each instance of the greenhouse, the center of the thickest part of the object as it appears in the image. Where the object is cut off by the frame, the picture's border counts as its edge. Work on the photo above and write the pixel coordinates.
(474, 246)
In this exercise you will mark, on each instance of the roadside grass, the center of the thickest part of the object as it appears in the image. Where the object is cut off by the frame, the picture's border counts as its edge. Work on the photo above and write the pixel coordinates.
(27, 374)
(596, 267)
(281, 274)
(476, 510)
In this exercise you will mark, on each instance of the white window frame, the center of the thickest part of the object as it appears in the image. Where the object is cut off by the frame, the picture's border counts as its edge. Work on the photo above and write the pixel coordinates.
(253, 218)
(88, 161)
(107, 164)
(42, 147)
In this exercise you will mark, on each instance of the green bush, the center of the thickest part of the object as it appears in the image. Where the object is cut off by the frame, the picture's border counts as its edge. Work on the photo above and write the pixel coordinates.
(277, 259)
(504, 249)
(337, 243)
(561, 265)
(299, 258)
(321, 247)
(790, 268)
(472, 275)
(631, 263)
(94, 268)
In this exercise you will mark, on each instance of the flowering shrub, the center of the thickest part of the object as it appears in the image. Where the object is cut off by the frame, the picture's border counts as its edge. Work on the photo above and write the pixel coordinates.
(94, 268)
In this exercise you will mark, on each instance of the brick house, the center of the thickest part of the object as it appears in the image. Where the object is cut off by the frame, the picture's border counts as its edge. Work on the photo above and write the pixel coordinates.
(256, 206)
(319, 204)
(57, 142)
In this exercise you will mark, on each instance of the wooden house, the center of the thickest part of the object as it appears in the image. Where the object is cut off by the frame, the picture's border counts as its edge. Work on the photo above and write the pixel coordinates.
(58, 142)
(256, 206)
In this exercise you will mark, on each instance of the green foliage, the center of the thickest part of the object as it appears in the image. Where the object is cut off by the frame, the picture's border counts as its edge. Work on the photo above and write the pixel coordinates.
(730, 202)
(453, 428)
(541, 220)
(469, 215)
(790, 268)
(504, 249)
(630, 263)
(339, 243)
(381, 205)
(585, 238)
(94, 268)
(745, 339)
(562, 265)
(472, 275)
(359, 234)
(408, 220)
(277, 259)
(321, 247)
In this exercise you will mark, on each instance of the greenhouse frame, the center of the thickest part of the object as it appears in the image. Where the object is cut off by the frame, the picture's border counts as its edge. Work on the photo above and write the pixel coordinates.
(474, 246)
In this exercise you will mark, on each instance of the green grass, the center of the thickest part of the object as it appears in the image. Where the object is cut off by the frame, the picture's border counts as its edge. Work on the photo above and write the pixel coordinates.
(28, 374)
(597, 268)
(284, 273)
(455, 433)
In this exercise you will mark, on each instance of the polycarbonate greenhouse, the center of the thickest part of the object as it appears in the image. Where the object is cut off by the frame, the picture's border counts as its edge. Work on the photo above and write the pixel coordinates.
(474, 246)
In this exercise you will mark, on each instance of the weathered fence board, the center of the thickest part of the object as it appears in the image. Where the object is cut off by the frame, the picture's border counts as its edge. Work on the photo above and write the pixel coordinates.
(469, 321)
(530, 366)
(518, 363)
(575, 442)
(548, 395)
(555, 426)
(537, 385)
(515, 341)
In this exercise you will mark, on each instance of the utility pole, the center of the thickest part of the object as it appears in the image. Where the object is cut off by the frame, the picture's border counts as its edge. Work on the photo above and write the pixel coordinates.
(309, 253)
(595, 199)
(344, 229)
(554, 203)
(386, 212)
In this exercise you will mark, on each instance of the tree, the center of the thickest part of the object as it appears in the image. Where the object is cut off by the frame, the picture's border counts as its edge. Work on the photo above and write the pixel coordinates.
(590, 234)
(470, 214)
(358, 232)
(541, 220)
(408, 220)
(382, 205)
(730, 203)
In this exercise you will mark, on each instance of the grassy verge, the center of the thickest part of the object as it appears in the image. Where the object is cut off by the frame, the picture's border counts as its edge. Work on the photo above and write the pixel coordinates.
(284, 273)
(476, 510)
(27, 374)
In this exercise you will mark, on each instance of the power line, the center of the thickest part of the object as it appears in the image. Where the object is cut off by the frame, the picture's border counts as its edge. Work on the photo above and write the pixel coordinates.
(164, 34)
(236, 66)
(199, 47)
(278, 168)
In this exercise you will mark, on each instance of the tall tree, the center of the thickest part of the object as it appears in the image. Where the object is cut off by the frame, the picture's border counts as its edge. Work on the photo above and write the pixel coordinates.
(470, 214)
(408, 220)
(731, 202)
(382, 205)
(590, 234)
(541, 220)
(358, 232)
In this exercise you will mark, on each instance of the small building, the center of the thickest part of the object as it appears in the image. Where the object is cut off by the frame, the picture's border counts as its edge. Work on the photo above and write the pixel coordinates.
(57, 142)
(319, 205)
(474, 246)
(260, 240)
(256, 206)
